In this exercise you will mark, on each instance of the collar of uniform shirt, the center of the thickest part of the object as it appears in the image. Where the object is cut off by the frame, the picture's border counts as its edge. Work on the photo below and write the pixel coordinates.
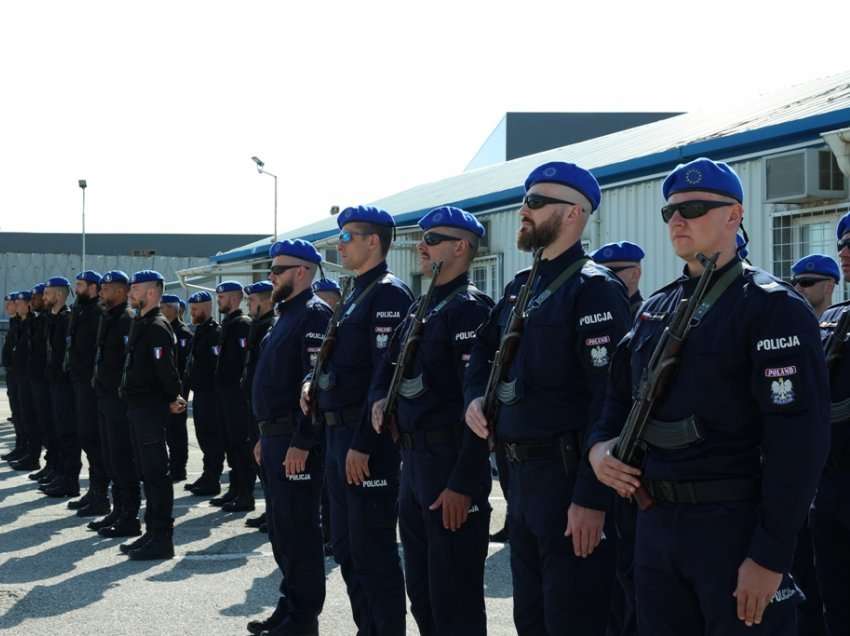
(442, 291)
(367, 277)
(555, 266)
(296, 301)
(690, 282)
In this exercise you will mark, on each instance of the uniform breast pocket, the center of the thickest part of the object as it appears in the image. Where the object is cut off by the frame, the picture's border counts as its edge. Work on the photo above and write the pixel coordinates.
(545, 345)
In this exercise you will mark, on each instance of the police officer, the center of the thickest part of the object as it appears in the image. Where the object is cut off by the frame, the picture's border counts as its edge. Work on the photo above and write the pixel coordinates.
(30, 458)
(830, 517)
(11, 376)
(444, 514)
(66, 482)
(177, 437)
(362, 466)
(815, 277)
(151, 386)
(112, 336)
(238, 425)
(328, 290)
(261, 308)
(38, 384)
(293, 484)
(79, 357)
(200, 372)
(736, 443)
(624, 258)
(562, 568)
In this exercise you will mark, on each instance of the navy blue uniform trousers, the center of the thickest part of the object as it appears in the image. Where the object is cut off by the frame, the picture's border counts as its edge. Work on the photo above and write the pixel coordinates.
(292, 512)
(831, 537)
(444, 570)
(686, 569)
(363, 535)
(147, 430)
(555, 592)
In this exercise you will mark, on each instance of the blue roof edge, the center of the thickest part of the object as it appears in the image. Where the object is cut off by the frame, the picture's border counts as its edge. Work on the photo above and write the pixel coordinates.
(784, 134)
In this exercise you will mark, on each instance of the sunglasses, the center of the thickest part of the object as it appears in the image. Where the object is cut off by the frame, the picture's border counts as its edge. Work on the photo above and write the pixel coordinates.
(537, 201)
(435, 238)
(277, 270)
(346, 236)
(843, 243)
(806, 282)
(691, 209)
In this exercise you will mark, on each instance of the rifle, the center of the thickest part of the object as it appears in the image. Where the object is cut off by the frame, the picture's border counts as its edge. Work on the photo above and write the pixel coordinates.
(328, 343)
(630, 448)
(406, 355)
(509, 345)
(834, 346)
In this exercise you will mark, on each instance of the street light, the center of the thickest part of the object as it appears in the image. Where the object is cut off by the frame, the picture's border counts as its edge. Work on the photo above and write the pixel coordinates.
(83, 185)
(261, 169)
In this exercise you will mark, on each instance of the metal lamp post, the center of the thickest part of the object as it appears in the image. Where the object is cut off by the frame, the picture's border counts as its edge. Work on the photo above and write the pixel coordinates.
(83, 185)
(261, 169)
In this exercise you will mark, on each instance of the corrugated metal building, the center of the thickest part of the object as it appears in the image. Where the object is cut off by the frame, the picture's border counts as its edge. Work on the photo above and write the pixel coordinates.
(794, 187)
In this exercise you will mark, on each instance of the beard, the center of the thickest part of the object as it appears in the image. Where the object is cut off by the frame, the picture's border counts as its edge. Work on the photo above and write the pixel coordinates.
(282, 293)
(536, 236)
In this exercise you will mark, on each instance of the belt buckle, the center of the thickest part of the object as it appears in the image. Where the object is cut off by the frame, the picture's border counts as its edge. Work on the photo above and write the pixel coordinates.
(510, 452)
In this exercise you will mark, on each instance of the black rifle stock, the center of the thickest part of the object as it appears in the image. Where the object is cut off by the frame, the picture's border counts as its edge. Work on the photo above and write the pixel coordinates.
(406, 355)
(656, 376)
(509, 345)
(328, 343)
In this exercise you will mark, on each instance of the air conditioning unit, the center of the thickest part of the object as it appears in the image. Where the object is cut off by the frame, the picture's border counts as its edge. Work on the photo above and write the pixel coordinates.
(802, 175)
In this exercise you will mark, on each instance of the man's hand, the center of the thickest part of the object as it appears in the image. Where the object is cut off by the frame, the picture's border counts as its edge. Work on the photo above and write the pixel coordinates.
(756, 587)
(177, 406)
(475, 419)
(305, 398)
(584, 525)
(378, 415)
(356, 467)
(455, 508)
(295, 461)
(611, 471)
(258, 453)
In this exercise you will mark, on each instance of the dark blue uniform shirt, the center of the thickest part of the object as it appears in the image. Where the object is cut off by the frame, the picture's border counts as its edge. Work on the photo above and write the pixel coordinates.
(286, 356)
(753, 374)
(562, 362)
(369, 317)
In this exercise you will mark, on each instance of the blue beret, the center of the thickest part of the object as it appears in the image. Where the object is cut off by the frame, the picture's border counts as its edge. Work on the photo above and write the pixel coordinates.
(170, 299)
(743, 252)
(819, 264)
(570, 175)
(200, 297)
(228, 286)
(23, 295)
(58, 281)
(115, 276)
(296, 249)
(620, 251)
(8, 296)
(326, 285)
(365, 214)
(448, 216)
(182, 304)
(38, 288)
(260, 287)
(704, 175)
(843, 226)
(147, 276)
(90, 276)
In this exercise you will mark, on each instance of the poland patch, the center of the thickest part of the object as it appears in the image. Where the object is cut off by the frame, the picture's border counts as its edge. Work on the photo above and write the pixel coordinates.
(599, 357)
(780, 372)
(782, 391)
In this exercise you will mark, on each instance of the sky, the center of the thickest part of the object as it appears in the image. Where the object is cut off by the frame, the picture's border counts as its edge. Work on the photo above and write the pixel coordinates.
(160, 105)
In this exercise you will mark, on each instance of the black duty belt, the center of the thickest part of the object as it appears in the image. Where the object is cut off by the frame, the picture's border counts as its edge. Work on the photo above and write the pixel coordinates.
(703, 492)
(839, 411)
(426, 439)
(565, 447)
(277, 426)
(345, 417)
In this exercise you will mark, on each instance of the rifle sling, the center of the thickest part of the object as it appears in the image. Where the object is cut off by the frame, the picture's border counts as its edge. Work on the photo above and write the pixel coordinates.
(562, 278)
(715, 292)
